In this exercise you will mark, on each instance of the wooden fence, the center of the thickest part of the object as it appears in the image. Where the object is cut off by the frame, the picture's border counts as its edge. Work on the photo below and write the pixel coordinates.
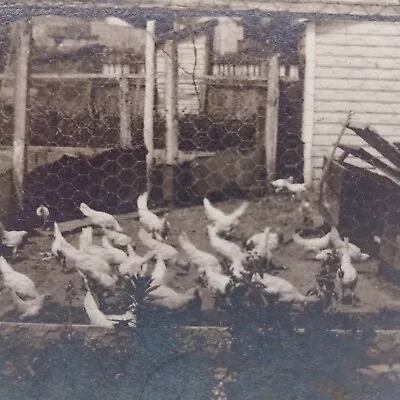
(136, 95)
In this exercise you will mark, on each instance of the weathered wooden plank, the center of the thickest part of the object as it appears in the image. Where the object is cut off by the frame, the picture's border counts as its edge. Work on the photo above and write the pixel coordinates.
(336, 113)
(358, 84)
(333, 50)
(359, 28)
(329, 7)
(343, 39)
(125, 139)
(309, 101)
(357, 62)
(369, 158)
(354, 73)
(20, 109)
(384, 147)
(392, 132)
(359, 96)
(358, 107)
(148, 116)
(271, 123)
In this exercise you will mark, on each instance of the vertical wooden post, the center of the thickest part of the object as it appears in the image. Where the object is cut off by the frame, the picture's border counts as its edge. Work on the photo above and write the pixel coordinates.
(308, 102)
(271, 115)
(148, 117)
(20, 110)
(125, 139)
(171, 117)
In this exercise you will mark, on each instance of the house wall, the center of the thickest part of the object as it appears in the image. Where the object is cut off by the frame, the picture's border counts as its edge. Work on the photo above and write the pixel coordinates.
(357, 68)
(190, 62)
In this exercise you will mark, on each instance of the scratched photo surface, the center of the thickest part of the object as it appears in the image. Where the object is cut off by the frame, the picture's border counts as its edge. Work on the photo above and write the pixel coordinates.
(199, 200)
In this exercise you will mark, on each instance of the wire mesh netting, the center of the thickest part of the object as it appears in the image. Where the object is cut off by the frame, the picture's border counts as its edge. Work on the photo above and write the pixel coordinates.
(278, 131)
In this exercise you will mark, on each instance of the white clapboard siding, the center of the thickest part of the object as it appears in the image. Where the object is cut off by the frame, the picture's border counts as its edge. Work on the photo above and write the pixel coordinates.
(358, 84)
(357, 68)
(189, 62)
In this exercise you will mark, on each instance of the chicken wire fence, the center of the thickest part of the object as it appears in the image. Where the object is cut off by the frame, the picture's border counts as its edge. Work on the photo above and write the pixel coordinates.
(86, 96)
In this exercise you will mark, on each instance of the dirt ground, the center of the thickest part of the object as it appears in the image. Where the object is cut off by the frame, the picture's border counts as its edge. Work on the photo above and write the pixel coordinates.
(374, 293)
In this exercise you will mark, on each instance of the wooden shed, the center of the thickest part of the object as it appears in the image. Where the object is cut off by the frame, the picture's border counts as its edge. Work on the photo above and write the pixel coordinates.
(350, 66)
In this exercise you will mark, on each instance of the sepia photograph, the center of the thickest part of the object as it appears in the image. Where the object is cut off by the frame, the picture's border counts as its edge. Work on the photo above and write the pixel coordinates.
(200, 199)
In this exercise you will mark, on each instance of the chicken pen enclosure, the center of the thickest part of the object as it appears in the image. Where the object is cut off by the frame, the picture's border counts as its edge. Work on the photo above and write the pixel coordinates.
(99, 111)
(57, 112)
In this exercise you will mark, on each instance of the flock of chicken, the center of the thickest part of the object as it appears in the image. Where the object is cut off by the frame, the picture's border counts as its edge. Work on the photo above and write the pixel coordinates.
(114, 260)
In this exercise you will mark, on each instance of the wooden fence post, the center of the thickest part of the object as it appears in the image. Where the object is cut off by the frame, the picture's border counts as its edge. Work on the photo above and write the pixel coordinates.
(171, 118)
(20, 110)
(125, 139)
(148, 117)
(271, 115)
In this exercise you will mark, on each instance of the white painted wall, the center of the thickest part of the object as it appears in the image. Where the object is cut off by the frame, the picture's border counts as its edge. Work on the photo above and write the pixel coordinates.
(356, 66)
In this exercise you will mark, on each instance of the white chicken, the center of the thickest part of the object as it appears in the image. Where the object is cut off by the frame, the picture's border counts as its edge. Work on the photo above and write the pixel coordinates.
(198, 257)
(20, 283)
(229, 250)
(347, 275)
(280, 289)
(107, 252)
(100, 218)
(166, 297)
(164, 250)
(118, 239)
(159, 272)
(355, 256)
(136, 264)
(118, 255)
(280, 184)
(93, 265)
(258, 245)
(159, 227)
(296, 187)
(224, 223)
(60, 245)
(225, 248)
(355, 252)
(28, 307)
(12, 239)
(315, 244)
(215, 281)
(97, 317)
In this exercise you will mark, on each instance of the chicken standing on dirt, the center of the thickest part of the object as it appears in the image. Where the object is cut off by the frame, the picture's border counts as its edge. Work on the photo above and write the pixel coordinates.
(224, 223)
(97, 317)
(164, 250)
(23, 290)
(12, 239)
(100, 218)
(159, 227)
(347, 275)
(280, 290)
(118, 239)
(315, 244)
(108, 253)
(198, 257)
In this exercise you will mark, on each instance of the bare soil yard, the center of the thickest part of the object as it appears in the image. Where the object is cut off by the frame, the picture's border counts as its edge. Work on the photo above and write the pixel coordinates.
(374, 293)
